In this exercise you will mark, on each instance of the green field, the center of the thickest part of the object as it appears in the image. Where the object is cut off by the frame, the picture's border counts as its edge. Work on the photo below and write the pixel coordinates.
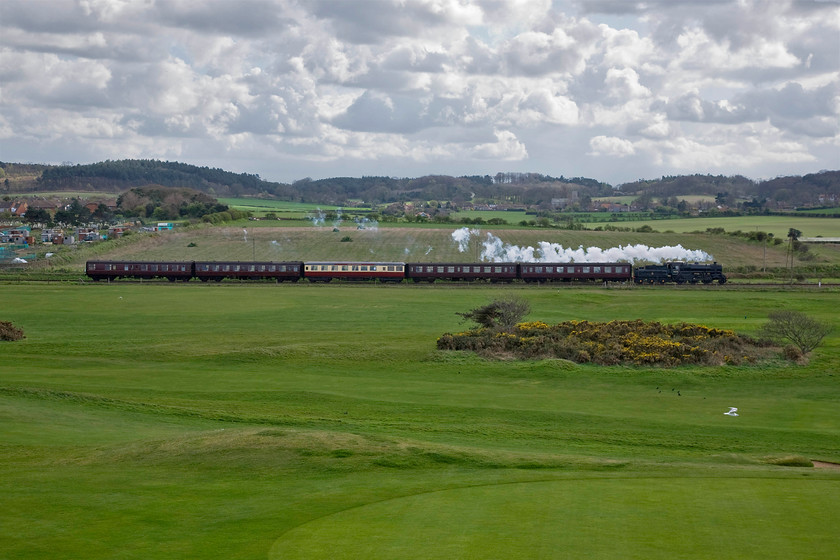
(83, 195)
(283, 209)
(777, 225)
(300, 421)
(433, 244)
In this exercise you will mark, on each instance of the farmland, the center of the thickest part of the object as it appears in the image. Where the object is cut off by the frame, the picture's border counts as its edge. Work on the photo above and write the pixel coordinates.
(245, 242)
(777, 225)
(321, 422)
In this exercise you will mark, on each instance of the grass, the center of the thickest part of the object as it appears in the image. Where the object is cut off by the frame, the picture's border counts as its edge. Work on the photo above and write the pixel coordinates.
(283, 209)
(245, 242)
(777, 225)
(298, 421)
(84, 195)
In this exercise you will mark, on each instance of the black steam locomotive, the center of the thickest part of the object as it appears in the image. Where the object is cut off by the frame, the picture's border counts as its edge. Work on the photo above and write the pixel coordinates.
(326, 271)
(679, 273)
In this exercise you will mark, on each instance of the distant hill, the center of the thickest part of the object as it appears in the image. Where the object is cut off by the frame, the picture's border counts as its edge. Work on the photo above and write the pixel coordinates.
(813, 189)
(524, 189)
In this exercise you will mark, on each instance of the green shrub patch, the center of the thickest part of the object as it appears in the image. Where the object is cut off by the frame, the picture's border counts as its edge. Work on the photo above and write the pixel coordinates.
(614, 342)
(10, 332)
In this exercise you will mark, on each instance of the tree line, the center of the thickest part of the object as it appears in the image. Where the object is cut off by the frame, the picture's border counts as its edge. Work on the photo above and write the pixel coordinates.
(526, 189)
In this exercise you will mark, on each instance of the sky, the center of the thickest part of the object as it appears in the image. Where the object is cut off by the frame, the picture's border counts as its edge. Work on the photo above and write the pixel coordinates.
(614, 90)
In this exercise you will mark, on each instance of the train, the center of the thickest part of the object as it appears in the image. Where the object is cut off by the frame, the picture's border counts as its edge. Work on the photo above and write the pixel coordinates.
(326, 271)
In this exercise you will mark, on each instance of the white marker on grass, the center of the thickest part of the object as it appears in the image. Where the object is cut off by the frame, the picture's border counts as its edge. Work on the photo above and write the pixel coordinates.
(732, 411)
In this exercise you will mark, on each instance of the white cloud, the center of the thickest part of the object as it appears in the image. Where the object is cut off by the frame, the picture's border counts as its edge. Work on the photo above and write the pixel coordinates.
(431, 85)
(506, 148)
(611, 146)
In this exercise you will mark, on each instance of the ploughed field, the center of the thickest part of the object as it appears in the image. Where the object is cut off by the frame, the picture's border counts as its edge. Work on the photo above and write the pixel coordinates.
(247, 421)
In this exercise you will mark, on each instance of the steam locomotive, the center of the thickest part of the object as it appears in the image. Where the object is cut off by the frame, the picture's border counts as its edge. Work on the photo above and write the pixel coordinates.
(326, 271)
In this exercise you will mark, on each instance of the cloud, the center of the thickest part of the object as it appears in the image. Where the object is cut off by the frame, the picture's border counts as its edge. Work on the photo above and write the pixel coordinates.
(610, 146)
(506, 147)
(432, 85)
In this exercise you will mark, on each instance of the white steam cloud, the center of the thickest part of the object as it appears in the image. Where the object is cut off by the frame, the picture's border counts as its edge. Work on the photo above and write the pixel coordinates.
(366, 223)
(317, 218)
(462, 238)
(495, 250)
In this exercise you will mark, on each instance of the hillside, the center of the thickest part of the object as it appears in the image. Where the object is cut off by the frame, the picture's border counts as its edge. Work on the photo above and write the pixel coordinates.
(532, 190)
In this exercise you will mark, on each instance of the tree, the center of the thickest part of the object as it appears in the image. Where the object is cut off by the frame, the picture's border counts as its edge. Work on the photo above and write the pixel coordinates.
(500, 314)
(37, 216)
(793, 235)
(804, 332)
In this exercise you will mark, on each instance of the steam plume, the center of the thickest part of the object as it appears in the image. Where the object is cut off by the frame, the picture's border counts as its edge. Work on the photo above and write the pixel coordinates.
(495, 250)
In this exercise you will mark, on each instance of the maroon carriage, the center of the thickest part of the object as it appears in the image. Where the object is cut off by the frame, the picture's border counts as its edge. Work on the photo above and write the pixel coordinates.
(494, 272)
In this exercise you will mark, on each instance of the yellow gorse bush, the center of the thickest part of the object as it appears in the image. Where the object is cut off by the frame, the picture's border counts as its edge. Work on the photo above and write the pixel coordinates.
(614, 342)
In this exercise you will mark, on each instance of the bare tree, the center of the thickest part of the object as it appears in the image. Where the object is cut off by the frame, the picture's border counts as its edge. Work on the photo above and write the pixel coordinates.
(804, 332)
(500, 314)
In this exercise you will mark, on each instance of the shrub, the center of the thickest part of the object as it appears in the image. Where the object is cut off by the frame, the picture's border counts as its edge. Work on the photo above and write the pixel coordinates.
(500, 314)
(804, 332)
(10, 332)
(792, 353)
(612, 343)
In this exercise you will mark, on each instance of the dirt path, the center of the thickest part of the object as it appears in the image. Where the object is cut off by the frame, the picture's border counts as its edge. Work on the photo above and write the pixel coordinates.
(825, 465)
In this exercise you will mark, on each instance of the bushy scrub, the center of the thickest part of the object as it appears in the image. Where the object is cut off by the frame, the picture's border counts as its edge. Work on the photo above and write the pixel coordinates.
(10, 332)
(611, 343)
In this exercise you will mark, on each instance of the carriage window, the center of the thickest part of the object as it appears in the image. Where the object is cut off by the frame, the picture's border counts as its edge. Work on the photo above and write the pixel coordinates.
(486, 269)
(586, 270)
(608, 270)
(539, 269)
(354, 267)
(399, 269)
(597, 269)
(440, 269)
(252, 268)
(450, 269)
(345, 268)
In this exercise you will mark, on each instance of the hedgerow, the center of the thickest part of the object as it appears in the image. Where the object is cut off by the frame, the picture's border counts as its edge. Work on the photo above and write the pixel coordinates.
(615, 342)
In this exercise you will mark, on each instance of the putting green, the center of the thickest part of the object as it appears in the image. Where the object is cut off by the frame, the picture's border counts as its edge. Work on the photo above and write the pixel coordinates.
(587, 518)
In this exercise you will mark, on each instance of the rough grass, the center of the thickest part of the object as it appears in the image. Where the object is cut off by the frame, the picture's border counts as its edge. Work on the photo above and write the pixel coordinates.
(244, 421)
(399, 244)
